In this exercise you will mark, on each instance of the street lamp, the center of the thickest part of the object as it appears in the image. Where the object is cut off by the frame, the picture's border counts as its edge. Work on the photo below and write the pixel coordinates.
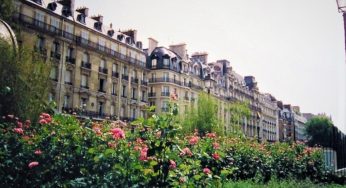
(342, 9)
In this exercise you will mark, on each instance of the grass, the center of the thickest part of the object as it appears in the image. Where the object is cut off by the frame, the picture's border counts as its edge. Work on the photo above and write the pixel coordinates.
(279, 184)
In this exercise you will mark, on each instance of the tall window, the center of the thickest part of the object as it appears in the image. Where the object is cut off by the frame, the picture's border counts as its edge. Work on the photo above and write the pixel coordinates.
(113, 48)
(56, 47)
(122, 111)
(55, 24)
(153, 63)
(102, 44)
(40, 43)
(143, 95)
(114, 86)
(39, 16)
(68, 74)
(66, 101)
(112, 110)
(165, 90)
(114, 67)
(83, 102)
(85, 37)
(125, 71)
(53, 73)
(69, 52)
(102, 85)
(102, 63)
(134, 113)
(166, 76)
(133, 93)
(85, 57)
(84, 80)
(100, 109)
(164, 106)
(123, 91)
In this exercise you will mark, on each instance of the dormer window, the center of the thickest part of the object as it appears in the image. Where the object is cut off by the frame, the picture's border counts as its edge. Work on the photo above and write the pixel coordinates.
(120, 37)
(153, 63)
(98, 26)
(165, 62)
(81, 18)
(66, 11)
(128, 40)
(52, 6)
(110, 33)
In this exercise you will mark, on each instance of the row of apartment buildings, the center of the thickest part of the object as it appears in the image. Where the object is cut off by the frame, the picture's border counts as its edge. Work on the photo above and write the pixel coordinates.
(99, 72)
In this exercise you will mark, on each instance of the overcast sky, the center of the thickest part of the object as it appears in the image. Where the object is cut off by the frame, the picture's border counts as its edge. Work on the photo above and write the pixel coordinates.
(294, 48)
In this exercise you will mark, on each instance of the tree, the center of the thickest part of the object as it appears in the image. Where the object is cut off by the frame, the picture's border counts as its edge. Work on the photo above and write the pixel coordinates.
(239, 111)
(204, 118)
(319, 131)
(24, 82)
(6, 9)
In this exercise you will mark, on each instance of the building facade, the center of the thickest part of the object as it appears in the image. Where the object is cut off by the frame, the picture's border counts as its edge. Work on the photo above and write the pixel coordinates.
(99, 72)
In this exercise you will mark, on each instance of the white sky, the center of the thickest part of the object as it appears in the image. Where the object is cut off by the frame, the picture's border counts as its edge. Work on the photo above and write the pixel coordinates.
(294, 48)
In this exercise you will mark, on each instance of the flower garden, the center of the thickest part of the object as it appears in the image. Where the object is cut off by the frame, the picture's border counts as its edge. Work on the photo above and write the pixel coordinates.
(62, 151)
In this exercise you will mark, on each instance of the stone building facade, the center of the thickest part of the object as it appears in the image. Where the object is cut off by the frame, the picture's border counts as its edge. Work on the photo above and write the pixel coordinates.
(99, 72)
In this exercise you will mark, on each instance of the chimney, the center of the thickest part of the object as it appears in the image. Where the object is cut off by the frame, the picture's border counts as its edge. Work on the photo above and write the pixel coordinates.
(200, 56)
(68, 7)
(179, 49)
(152, 45)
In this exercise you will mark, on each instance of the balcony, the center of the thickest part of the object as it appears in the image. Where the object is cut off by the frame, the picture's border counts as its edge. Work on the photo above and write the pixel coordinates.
(103, 70)
(86, 65)
(43, 27)
(125, 77)
(151, 94)
(70, 60)
(68, 83)
(134, 80)
(101, 91)
(164, 79)
(165, 94)
(143, 82)
(84, 87)
(55, 55)
(115, 74)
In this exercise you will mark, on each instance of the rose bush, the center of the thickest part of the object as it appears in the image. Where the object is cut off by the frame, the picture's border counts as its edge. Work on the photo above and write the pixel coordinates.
(63, 151)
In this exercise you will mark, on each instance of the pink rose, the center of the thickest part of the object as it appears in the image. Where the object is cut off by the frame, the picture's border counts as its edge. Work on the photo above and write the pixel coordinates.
(45, 118)
(27, 123)
(18, 130)
(186, 151)
(216, 145)
(118, 133)
(143, 156)
(172, 164)
(38, 152)
(33, 164)
(216, 156)
(19, 124)
(42, 121)
(211, 135)
(193, 140)
(206, 171)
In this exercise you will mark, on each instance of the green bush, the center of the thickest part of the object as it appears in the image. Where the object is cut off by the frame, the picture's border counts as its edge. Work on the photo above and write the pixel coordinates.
(62, 151)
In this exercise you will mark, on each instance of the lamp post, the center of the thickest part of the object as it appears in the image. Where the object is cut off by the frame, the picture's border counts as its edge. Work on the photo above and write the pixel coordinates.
(342, 9)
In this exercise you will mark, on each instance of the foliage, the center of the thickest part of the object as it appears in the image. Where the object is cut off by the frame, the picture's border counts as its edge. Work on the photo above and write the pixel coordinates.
(23, 82)
(239, 112)
(62, 151)
(204, 117)
(319, 131)
(6, 9)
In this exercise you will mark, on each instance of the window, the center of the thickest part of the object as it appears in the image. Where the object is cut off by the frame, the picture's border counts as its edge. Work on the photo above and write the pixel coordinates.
(102, 44)
(133, 113)
(56, 47)
(165, 76)
(69, 52)
(100, 109)
(68, 74)
(113, 48)
(101, 86)
(39, 16)
(134, 93)
(122, 111)
(123, 91)
(40, 43)
(102, 63)
(174, 78)
(114, 67)
(134, 74)
(164, 106)
(114, 87)
(153, 77)
(66, 101)
(165, 62)
(55, 24)
(85, 57)
(85, 37)
(153, 63)
(69, 28)
(125, 71)
(53, 73)
(143, 95)
(83, 102)
(112, 110)
(84, 81)
(165, 91)
(51, 97)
